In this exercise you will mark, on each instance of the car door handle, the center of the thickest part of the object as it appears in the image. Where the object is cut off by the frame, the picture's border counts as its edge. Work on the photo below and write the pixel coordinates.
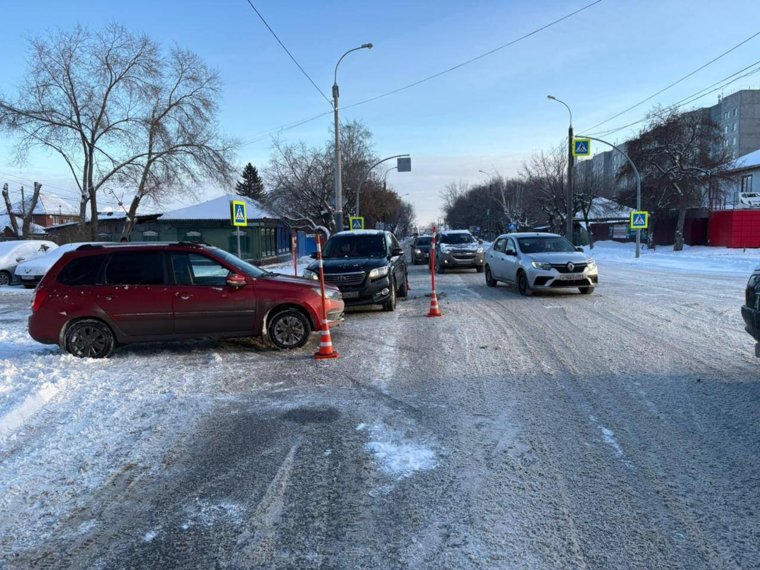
(184, 296)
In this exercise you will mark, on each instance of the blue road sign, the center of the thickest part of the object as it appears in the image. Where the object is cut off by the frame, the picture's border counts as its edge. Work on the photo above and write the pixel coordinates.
(357, 222)
(581, 147)
(639, 220)
(239, 217)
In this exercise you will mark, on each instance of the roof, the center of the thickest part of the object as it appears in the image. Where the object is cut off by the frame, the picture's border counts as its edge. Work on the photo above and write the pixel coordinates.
(455, 231)
(218, 209)
(5, 223)
(361, 233)
(605, 209)
(47, 204)
(751, 160)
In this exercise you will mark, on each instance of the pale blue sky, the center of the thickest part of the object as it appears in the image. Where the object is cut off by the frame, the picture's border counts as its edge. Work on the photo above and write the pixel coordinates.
(489, 115)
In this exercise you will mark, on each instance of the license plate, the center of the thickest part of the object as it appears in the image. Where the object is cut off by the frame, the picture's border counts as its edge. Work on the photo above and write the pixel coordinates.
(350, 294)
(570, 276)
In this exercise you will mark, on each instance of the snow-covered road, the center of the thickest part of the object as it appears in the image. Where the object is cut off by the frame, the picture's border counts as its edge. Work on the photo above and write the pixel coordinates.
(616, 430)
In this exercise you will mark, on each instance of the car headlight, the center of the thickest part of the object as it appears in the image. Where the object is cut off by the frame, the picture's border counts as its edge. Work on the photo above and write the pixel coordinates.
(331, 294)
(479, 250)
(591, 265)
(545, 265)
(310, 274)
(378, 272)
(443, 248)
(418, 251)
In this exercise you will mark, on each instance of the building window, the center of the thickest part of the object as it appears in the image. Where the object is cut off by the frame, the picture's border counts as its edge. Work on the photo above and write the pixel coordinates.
(747, 183)
(194, 237)
(150, 235)
(734, 112)
(734, 127)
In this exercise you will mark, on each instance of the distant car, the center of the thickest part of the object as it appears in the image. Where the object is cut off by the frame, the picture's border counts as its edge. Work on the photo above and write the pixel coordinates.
(751, 308)
(749, 199)
(421, 249)
(31, 272)
(368, 266)
(534, 261)
(17, 251)
(455, 249)
(101, 296)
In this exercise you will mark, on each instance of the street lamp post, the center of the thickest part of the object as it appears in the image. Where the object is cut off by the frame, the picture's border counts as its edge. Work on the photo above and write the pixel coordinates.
(338, 181)
(570, 211)
(366, 174)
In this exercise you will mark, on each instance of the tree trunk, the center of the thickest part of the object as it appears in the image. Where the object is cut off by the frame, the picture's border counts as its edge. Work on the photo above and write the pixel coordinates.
(129, 224)
(93, 215)
(678, 246)
(9, 208)
(28, 216)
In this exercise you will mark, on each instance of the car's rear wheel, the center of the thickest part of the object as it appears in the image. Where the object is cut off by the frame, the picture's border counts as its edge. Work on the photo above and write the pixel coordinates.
(490, 281)
(586, 290)
(289, 329)
(5, 278)
(390, 304)
(522, 284)
(89, 338)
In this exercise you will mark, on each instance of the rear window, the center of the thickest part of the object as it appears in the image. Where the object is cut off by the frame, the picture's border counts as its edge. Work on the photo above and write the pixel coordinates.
(423, 241)
(83, 271)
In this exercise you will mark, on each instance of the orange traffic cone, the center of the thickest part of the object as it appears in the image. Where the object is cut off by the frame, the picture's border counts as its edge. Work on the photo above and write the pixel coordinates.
(325, 344)
(434, 310)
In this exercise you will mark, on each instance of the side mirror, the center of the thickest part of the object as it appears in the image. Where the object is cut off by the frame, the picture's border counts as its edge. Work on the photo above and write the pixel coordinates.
(579, 249)
(511, 252)
(235, 280)
(314, 255)
(480, 241)
(397, 251)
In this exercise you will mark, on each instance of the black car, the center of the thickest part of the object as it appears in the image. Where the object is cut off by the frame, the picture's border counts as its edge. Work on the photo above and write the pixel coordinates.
(751, 308)
(368, 267)
(421, 249)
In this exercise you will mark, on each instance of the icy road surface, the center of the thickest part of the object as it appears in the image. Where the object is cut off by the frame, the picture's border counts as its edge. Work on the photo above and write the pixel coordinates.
(614, 430)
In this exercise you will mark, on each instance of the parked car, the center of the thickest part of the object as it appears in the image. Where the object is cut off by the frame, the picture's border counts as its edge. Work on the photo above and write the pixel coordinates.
(749, 199)
(368, 266)
(420, 249)
(751, 308)
(534, 261)
(31, 272)
(101, 296)
(17, 251)
(456, 249)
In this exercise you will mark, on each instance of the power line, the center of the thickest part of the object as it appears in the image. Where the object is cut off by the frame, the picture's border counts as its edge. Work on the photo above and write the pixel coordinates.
(694, 96)
(675, 82)
(288, 52)
(430, 77)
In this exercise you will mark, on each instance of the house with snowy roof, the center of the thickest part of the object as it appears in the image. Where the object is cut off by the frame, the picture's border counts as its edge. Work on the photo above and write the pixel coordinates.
(50, 210)
(265, 238)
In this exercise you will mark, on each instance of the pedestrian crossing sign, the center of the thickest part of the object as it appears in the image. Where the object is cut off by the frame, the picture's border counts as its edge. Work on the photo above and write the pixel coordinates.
(581, 147)
(239, 217)
(639, 220)
(357, 222)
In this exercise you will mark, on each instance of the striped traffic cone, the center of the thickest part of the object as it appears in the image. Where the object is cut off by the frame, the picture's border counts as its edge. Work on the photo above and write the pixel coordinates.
(325, 344)
(434, 310)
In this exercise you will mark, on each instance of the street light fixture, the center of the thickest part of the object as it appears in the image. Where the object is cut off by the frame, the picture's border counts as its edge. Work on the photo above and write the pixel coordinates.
(338, 181)
(570, 211)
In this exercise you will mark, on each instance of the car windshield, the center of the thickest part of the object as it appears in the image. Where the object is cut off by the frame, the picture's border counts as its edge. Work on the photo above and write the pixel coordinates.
(457, 238)
(243, 266)
(423, 241)
(340, 246)
(549, 244)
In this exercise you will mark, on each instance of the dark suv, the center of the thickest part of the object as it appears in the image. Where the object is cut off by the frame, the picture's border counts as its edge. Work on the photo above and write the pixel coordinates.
(421, 249)
(751, 308)
(455, 249)
(98, 296)
(368, 266)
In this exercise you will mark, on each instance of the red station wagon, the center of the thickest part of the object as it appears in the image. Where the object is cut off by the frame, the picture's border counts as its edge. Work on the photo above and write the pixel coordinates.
(97, 297)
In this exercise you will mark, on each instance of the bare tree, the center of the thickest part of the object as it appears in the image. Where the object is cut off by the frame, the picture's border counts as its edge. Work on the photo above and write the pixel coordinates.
(114, 109)
(544, 177)
(680, 157)
(27, 210)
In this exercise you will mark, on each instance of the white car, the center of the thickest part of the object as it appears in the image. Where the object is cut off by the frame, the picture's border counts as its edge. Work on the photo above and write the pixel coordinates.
(749, 199)
(30, 272)
(14, 252)
(535, 261)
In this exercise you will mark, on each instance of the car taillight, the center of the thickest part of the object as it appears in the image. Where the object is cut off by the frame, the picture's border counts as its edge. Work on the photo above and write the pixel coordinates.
(39, 297)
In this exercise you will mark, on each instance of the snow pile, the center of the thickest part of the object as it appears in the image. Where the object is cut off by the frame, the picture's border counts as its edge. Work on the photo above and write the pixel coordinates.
(693, 259)
(397, 455)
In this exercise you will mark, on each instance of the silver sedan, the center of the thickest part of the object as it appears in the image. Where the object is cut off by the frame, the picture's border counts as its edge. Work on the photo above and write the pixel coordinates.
(534, 261)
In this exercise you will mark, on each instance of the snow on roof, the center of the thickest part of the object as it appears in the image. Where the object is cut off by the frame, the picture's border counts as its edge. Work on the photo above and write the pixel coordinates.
(218, 209)
(750, 160)
(48, 204)
(5, 223)
(602, 208)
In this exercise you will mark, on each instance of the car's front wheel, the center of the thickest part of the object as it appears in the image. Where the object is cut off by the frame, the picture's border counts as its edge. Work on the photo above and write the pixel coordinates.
(522, 284)
(289, 329)
(490, 281)
(5, 278)
(403, 291)
(89, 338)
